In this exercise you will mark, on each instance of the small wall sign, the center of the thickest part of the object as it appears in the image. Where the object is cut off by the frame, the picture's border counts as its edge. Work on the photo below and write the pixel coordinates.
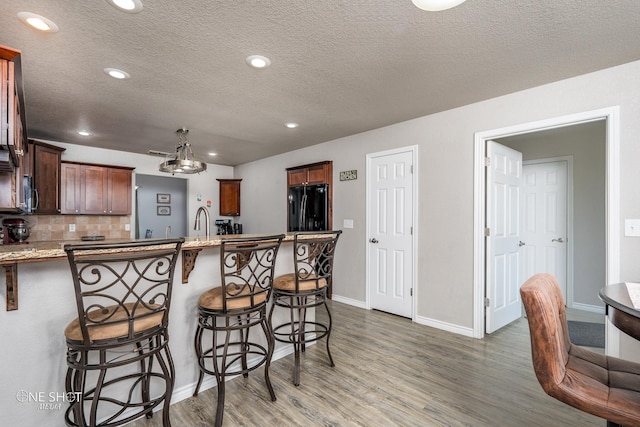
(348, 175)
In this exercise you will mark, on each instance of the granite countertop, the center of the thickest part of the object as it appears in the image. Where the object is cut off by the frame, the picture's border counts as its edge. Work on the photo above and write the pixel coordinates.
(49, 251)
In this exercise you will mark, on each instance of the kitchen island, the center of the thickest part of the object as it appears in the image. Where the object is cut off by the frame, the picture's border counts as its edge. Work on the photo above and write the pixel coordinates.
(33, 345)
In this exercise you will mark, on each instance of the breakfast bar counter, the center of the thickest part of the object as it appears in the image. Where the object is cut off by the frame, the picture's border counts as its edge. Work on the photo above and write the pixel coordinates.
(12, 255)
(33, 343)
(48, 251)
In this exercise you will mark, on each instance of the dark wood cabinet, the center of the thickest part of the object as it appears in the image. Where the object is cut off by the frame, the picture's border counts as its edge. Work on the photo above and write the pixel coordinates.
(119, 191)
(44, 167)
(229, 197)
(69, 188)
(13, 137)
(95, 189)
(12, 132)
(316, 173)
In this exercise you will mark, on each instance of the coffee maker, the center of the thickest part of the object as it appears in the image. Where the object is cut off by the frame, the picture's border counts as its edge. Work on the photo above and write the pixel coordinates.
(15, 231)
(224, 227)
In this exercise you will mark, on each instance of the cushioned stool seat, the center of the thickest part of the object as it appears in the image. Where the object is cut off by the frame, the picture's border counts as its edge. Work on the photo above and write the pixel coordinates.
(213, 299)
(113, 322)
(287, 282)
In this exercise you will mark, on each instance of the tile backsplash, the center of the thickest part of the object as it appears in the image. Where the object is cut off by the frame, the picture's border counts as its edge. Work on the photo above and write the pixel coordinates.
(45, 228)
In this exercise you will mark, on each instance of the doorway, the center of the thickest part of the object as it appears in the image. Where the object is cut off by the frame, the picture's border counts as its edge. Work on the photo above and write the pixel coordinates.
(391, 232)
(161, 207)
(610, 116)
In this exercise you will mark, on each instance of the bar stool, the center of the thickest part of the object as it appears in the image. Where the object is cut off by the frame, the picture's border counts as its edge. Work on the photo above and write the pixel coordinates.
(246, 270)
(307, 287)
(123, 296)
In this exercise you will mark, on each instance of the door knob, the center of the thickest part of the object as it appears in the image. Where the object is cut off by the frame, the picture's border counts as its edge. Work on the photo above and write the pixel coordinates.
(521, 243)
(559, 240)
(373, 240)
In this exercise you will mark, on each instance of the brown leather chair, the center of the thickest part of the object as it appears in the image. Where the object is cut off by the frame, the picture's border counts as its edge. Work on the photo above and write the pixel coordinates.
(600, 385)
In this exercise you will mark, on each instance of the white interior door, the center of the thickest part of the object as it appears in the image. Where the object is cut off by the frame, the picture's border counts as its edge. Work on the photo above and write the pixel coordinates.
(544, 225)
(504, 172)
(390, 226)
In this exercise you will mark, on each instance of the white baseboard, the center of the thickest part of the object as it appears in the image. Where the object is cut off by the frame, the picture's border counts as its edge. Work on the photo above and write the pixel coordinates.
(587, 307)
(349, 301)
(449, 327)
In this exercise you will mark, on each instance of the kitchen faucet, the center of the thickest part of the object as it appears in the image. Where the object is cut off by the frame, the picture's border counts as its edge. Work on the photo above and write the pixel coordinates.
(206, 217)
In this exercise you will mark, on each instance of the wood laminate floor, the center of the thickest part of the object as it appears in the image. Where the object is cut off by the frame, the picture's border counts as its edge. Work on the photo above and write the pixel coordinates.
(392, 372)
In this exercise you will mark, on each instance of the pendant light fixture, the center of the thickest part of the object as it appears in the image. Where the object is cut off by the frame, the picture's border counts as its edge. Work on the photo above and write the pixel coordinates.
(436, 5)
(183, 161)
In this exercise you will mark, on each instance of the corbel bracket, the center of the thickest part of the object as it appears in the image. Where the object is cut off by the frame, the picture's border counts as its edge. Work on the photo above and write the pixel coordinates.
(188, 262)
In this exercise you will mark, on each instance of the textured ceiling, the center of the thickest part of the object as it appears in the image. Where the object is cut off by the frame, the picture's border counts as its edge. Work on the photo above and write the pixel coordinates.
(339, 67)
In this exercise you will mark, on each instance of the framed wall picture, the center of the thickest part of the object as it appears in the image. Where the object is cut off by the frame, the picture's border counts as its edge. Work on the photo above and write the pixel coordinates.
(164, 210)
(163, 198)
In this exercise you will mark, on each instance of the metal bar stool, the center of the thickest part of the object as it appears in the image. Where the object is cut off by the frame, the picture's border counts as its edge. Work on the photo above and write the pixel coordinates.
(246, 270)
(313, 253)
(123, 296)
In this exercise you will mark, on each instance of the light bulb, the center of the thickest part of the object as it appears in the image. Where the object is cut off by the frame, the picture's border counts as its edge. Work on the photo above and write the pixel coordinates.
(436, 5)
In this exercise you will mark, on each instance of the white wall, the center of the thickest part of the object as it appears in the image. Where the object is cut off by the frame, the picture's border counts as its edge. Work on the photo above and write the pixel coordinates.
(204, 184)
(446, 165)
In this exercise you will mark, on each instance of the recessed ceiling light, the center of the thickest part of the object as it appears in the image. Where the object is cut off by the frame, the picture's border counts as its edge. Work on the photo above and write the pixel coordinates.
(258, 61)
(117, 74)
(436, 5)
(84, 133)
(212, 154)
(291, 125)
(131, 6)
(38, 22)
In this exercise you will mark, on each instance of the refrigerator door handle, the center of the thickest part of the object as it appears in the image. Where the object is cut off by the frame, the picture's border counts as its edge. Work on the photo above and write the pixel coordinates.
(303, 213)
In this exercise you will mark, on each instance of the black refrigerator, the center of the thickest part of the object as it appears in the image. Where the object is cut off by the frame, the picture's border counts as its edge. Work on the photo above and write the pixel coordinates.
(308, 207)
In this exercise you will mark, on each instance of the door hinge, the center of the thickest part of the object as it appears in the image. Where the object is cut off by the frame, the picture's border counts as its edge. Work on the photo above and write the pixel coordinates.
(411, 230)
(486, 302)
(487, 232)
(487, 161)
(411, 292)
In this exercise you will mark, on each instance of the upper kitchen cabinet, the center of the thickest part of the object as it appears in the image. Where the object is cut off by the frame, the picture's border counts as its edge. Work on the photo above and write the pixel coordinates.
(229, 197)
(13, 120)
(44, 167)
(12, 132)
(91, 189)
(315, 173)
